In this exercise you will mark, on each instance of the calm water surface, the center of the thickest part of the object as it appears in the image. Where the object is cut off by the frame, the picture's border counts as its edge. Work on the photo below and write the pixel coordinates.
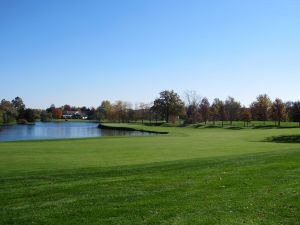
(58, 130)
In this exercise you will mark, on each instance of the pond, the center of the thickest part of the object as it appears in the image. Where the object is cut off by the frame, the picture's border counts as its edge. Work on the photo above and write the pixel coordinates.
(59, 130)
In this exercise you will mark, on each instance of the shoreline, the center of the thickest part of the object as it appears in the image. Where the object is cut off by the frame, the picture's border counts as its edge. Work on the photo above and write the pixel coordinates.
(121, 128)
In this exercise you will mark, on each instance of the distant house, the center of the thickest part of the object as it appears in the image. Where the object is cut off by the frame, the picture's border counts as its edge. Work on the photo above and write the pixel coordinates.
(74, 115)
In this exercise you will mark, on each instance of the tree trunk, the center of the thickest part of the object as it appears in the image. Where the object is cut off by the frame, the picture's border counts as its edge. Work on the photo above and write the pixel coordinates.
(222, 123)
(244, 123)
(278, 123)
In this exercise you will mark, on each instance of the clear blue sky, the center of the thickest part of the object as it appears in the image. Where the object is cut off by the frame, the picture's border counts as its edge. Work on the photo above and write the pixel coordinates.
(82, 52)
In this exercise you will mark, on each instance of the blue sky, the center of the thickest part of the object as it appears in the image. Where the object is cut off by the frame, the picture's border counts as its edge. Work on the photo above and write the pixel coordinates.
(82, 52)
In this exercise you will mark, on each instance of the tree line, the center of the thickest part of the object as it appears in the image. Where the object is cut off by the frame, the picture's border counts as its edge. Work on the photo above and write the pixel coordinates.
(168, 107)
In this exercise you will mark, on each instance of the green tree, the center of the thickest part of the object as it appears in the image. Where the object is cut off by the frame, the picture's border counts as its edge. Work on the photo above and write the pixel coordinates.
(45, 116)
(29, 115)
(19, 105)
(168, 104)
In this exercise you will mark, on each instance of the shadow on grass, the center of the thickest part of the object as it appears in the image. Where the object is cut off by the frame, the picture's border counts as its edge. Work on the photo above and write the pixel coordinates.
(199, 125)
(234, 128)
(273, 127)
(284, 139)
(265, 127)
(213, 126)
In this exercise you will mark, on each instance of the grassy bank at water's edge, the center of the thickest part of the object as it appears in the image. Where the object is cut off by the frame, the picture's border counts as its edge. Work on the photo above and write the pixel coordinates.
(188, 176)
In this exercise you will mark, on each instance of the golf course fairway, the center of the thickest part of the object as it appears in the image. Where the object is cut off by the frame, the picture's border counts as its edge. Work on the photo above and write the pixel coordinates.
(188, 176)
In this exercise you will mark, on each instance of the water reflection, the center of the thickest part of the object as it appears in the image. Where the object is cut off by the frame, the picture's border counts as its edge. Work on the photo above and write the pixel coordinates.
(55, 130)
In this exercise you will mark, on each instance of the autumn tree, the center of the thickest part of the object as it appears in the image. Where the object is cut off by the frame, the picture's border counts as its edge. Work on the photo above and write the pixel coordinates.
(8, 111)
(261, 107)
(57, 113)
(66, 108)
(168, 104)
(220, 106)
(232, 108)
(245, 115)
(204, 109)
(278, 112)
(105, 111)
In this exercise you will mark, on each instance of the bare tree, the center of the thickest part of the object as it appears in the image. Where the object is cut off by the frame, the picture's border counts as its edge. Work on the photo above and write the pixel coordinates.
(193, 101)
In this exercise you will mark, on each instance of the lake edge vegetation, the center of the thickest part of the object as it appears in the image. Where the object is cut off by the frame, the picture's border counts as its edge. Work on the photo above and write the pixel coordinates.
(167, 108)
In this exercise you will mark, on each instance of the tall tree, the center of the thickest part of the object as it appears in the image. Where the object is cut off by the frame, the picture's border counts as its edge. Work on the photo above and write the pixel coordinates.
(19, 106)
(1, 116)
(278, 111)
(204, 109)
(9, 112)
(220, 106)
(105, 110)
(67, 108)
(295, 112)
(193, 101)
(232, 108)
(29, 115)
(168, 104)
(288, 107)
(192, 113)
(245, 115)
(261, 107)
(143, 111)
(213, 114)
(45, 116)
(118, 109)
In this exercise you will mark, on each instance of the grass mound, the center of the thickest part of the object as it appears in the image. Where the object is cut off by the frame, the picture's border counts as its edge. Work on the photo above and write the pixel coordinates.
(285, 139)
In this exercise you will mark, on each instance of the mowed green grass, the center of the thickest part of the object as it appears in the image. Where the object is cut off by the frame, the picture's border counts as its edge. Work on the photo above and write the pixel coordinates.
(190, 176)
